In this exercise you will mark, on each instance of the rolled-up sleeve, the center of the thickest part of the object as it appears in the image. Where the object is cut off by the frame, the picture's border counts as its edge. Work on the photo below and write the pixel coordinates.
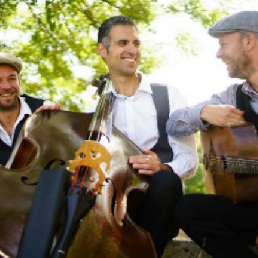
(186, 121)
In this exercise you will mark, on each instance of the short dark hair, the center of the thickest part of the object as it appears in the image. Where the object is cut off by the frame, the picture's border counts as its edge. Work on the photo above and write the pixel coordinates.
(106, 26)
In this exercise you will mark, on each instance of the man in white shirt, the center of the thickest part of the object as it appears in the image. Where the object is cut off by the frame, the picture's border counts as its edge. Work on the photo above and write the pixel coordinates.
(135, 114)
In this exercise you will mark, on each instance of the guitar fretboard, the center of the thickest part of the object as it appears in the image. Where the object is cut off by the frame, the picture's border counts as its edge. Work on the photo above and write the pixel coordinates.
(231, 165)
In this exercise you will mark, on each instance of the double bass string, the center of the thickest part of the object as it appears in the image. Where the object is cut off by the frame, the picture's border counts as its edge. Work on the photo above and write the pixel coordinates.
(97, 123)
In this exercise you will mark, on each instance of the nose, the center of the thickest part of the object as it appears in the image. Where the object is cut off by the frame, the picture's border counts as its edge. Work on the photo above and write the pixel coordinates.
(131, 48)
(218, 54)
(4, 84)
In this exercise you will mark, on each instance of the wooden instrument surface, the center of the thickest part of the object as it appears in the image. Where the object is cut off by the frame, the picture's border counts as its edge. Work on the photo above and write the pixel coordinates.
(230, 159)
(52, 140)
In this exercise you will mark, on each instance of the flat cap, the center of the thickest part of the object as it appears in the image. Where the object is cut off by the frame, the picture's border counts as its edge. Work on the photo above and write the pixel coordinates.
(244, 21)
(11, 60)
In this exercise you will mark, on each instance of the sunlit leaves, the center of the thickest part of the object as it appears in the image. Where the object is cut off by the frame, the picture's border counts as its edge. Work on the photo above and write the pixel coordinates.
(56, 39)
(204, 11)
(187, 43)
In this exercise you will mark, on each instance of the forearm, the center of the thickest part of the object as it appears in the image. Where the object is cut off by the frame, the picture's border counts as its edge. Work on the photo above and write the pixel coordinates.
(185, 122)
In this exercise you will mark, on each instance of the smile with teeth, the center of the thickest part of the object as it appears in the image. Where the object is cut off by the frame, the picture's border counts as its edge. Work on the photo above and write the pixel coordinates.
(6, 94)
(130, 60)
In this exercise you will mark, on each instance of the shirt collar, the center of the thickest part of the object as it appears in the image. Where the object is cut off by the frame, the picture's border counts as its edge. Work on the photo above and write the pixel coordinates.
(144, 86)
(25, 109)
(248, 89)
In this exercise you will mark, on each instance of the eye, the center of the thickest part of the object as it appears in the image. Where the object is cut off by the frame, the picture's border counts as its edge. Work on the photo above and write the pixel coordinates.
(137, 43)
(12, 79)
(122, 43)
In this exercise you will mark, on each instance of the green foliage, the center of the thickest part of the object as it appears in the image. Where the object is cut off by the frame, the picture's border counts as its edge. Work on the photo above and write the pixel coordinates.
(204, 11)
(190, 47)
(56, 38)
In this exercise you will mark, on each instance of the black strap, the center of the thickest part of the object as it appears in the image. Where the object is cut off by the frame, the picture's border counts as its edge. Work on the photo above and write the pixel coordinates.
(34, 103)
(243, 103)
(44, 213)
(161, 102)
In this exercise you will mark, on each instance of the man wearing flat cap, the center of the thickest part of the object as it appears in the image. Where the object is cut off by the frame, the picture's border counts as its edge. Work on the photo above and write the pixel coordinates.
(224, 227)
(14, 109)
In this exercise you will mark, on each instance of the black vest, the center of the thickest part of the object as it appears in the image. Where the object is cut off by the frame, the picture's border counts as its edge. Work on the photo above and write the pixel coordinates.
(161, 102)
(243, 103)
(5, 150)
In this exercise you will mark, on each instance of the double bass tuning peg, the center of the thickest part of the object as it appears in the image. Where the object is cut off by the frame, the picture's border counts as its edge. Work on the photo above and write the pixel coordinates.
(100, 83)
(95, 82)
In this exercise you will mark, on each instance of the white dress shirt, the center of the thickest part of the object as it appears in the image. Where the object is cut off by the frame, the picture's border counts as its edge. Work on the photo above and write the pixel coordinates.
(136, 117)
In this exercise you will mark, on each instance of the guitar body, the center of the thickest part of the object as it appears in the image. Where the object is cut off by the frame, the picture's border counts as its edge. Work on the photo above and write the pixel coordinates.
(229, 157)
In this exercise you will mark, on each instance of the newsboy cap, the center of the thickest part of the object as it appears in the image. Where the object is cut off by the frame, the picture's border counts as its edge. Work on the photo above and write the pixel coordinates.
(11, 60)
(244, 21)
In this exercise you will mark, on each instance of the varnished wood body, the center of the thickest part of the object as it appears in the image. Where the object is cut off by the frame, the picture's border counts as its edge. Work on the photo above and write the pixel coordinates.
(107, 230)
(218, 144)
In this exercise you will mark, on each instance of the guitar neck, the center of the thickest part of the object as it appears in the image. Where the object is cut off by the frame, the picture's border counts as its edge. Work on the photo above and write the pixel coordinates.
(233, 165)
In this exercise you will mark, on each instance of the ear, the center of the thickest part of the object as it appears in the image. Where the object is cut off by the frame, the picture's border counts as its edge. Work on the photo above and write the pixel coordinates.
(249, 41)
(102, 50)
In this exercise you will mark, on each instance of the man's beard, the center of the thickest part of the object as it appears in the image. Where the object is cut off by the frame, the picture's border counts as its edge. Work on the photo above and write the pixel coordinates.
(11, 105)
(241, 67)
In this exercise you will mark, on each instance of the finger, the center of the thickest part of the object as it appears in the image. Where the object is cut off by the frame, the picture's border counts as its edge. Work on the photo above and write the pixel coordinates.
(140, 159)
(238, 123)
(146, 171)
(237, 111)
(147, 152)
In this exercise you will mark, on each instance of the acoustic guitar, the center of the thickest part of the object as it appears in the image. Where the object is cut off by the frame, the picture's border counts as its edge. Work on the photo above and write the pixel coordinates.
(230, 160)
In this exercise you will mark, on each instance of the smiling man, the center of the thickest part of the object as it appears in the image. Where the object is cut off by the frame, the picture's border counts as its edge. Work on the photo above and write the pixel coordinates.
(140, 112)
(222, 228)
(14, 109)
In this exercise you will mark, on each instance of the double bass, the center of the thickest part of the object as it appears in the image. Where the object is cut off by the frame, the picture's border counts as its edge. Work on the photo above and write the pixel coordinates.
(103, 192)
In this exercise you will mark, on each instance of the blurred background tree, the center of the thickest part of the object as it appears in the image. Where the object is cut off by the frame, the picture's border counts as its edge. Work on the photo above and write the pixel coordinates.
(57, 39)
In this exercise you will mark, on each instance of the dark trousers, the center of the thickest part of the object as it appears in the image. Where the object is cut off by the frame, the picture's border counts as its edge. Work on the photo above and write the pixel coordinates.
(165, 188)
(221, 228)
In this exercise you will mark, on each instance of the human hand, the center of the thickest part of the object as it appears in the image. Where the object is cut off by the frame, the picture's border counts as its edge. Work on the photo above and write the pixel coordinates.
(148, 163)
(222, 115)
(51, 106)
